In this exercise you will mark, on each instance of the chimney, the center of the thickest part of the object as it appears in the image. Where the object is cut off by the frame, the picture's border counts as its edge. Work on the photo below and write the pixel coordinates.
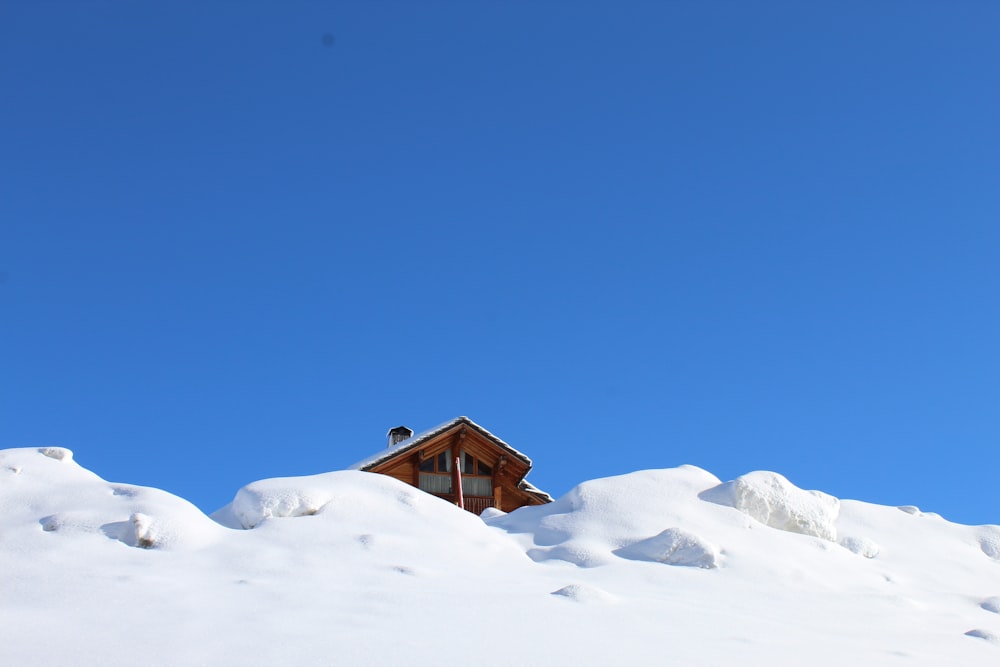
(399, 434)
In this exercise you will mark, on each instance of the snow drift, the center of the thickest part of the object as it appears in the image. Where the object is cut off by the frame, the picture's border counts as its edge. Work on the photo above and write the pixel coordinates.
(353, 568)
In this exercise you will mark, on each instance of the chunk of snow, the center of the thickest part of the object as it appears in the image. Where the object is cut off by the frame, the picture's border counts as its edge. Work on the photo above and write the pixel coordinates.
(774, 501)
(57, 453)
(674, 547)
(909, 509)
(70, 521)
(585, 594)
(142, 531)
(862, 546)
(278, 498)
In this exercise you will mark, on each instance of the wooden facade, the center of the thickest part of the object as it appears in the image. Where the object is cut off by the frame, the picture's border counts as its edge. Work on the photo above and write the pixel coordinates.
(491, 471)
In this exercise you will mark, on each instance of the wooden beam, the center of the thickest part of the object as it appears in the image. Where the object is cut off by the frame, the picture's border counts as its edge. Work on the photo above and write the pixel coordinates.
(456, 476)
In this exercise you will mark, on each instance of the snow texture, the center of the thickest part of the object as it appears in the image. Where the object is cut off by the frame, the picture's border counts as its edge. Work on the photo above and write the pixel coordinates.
(355, 568)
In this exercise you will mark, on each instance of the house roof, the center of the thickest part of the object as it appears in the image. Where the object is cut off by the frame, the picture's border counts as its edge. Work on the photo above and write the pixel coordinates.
(417, 440)
(420, 438)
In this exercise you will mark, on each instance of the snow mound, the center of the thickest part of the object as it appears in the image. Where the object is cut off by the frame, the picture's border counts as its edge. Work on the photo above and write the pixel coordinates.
(146, 532)
(991, 604)
(277, 498)
(284, 497)
(772, 500)
(861, 546)
(598, 522)
(585, 594)
(674, 547)
(51, 492)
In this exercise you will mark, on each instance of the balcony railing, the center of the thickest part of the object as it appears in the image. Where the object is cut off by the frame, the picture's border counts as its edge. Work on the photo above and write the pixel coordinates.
(476, 504)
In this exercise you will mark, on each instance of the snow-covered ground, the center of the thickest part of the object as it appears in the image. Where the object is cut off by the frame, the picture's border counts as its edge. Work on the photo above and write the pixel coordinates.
(665, 567)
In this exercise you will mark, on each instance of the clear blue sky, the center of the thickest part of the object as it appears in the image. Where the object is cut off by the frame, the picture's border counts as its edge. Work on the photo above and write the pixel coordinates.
(739, 235)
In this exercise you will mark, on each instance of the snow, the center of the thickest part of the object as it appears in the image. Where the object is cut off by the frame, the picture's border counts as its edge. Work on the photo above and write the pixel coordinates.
(674, 547)
(657, 566)
(586, 594)
(860, 546)
(774, 501)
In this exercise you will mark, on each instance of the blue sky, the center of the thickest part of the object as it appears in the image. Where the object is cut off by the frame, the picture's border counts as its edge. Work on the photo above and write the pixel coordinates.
(738, 235)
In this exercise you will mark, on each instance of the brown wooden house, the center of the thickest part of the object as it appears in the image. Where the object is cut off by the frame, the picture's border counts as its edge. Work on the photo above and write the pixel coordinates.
(491, 471)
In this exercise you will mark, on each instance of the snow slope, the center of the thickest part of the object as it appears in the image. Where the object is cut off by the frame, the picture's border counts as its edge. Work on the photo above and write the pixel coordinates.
(349, 568)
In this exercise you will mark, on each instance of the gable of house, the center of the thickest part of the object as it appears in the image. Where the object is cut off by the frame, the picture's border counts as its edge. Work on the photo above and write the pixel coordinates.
(491, 471)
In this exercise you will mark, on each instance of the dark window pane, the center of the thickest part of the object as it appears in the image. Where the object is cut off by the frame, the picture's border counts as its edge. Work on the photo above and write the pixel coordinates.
(485, 469)
(443, 462)
(468, 464)
(427, 465)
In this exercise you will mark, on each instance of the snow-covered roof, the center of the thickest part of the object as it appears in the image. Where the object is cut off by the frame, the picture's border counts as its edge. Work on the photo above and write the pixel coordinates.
(420, 438)
(528, 487)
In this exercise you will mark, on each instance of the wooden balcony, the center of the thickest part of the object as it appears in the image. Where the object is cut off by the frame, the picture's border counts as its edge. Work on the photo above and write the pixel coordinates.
(474, 504)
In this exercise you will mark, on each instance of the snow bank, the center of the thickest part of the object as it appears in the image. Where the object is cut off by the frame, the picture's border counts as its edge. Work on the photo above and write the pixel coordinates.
(281, 497)
(286, 497)
(371, 568)
(632, 516)
(47, 490)
(772, 500)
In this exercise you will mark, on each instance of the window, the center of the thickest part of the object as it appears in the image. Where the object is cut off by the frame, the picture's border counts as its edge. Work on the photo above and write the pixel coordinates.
(439, 464)
(435, 473)
(477, 477)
